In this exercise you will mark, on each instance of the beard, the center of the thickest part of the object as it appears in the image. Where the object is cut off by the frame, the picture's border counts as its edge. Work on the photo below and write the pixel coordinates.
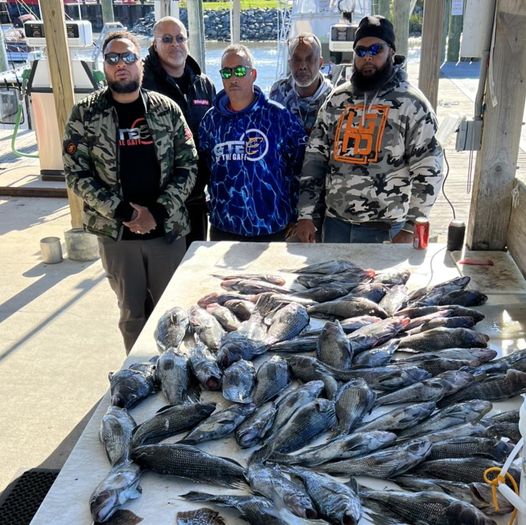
(306, 82)
(363, 83)
(124, 87)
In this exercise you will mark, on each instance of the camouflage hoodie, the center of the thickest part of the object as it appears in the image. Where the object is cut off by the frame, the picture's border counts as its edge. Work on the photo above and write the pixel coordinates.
(91, 162)
(375, 155)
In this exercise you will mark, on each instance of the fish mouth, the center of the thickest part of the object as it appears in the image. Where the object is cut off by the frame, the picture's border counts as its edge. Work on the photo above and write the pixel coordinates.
(213, 383)
(103, 506)
(311, 514)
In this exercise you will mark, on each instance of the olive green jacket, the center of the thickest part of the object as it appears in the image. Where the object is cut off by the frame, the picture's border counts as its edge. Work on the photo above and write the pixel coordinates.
(91, 161)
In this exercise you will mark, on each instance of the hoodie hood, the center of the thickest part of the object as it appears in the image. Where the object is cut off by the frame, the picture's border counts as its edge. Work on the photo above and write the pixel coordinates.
(222, 101)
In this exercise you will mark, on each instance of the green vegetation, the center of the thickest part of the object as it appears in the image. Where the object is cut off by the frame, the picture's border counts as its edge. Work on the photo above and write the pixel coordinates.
(245, 4)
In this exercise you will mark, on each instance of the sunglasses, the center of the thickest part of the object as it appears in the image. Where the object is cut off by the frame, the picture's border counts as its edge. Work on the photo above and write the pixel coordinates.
(169, 39)
(127, 57)
(372, 50)
(237, 71)
(307, 39)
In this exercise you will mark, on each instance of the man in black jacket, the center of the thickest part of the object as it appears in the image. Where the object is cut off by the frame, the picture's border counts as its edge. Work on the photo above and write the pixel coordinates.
(170, 70)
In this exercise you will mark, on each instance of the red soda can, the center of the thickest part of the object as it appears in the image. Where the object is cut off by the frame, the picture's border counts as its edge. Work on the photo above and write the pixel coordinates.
(421, 235)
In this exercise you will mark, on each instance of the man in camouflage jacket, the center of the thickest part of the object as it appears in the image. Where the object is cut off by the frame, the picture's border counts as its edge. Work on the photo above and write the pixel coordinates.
(129, 154)
(372, 151)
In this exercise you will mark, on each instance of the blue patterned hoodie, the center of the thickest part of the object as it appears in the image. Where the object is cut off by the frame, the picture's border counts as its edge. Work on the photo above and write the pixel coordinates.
(255, 157)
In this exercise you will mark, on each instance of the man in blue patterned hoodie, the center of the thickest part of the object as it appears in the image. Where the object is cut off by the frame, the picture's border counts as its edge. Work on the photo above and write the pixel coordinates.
(254, 148)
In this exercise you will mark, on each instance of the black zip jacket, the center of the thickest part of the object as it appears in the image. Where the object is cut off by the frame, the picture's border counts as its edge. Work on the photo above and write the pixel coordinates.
(200, 97)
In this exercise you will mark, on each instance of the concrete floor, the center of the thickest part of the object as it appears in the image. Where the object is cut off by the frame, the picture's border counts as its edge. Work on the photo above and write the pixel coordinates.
(59, 338)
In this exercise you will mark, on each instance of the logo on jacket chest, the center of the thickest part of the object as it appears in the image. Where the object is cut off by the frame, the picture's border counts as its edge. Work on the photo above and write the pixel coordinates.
(251, 146)
(137, 134)
(359, 133)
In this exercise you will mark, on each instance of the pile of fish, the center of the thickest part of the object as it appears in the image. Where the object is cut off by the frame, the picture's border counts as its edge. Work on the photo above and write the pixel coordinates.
(295, 374)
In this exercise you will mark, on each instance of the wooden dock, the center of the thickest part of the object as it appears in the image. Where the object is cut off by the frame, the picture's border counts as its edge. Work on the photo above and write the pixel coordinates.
(20, 176)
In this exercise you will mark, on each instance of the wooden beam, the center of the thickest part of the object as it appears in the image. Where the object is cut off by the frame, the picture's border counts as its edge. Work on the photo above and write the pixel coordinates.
(235, 22)
(20, 191)
(107, 11)
(456, 20)
(4, 65)
(430, 54)
(196, 32)
(61, 80)
(445, 30)
(496, 163)
(401, 25)
(383, 8)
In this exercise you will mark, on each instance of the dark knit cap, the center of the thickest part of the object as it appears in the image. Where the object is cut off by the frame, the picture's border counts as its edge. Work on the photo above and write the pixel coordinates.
(377, 26)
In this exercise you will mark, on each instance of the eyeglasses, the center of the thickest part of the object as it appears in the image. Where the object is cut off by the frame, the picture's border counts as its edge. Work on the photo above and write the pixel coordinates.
(305, 39)
(169, 39)
(372, 50)
(127, 57)
(237, 71)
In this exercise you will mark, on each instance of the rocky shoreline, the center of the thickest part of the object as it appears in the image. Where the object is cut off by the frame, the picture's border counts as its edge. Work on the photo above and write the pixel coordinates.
(256, 24)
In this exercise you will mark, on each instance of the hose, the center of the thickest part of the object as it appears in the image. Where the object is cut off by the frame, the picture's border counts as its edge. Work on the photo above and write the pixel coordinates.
(19, 113)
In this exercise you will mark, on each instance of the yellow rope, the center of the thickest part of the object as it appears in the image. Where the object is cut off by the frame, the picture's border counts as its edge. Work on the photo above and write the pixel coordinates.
(495, 482)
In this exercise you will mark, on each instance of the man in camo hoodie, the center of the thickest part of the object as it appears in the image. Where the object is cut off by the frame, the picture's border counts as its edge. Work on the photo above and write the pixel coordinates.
(129, 154)
(373, 150)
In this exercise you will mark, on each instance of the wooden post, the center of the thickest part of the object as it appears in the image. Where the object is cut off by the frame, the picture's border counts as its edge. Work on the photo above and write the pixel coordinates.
(196, 31)
(430, 55)
(4, 66)
(401, 25)
(456, 20)
(107, 11)
(235, 22)
(445, 29)
(496, 163)
(61, 80)
(384, 8)
(162, 8)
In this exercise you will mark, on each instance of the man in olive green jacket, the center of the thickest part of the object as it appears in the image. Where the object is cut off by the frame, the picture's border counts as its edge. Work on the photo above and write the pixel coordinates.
(129, 154)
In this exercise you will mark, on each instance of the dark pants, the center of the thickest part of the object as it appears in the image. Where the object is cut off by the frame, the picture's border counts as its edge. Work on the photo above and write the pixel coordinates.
(335, 230)
(197, 213)
(137, 270)
(219, 235)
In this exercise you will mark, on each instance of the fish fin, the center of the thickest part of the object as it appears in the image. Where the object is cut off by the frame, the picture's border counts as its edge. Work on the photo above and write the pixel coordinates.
(260, 455)
(353, 485)
(195, 495)
(163, 408)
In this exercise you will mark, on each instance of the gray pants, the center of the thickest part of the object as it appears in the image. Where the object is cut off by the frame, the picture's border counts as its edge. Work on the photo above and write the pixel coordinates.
(138, 272)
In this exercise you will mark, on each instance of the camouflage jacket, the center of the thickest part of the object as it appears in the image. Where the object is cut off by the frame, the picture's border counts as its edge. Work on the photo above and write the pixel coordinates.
(91, 162)
(305, 108)
(375, 155)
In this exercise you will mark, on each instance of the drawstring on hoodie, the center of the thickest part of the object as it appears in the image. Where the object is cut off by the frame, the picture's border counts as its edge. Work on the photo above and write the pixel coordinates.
(367, 108)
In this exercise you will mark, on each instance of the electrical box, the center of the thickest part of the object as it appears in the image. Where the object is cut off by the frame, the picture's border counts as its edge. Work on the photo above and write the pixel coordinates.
(342, 37)
(469, 135)
(78, 32)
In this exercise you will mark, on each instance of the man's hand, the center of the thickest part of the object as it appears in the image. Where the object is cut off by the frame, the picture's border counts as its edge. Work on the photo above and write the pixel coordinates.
(306, 231)
(142, 220)
(403, 237)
